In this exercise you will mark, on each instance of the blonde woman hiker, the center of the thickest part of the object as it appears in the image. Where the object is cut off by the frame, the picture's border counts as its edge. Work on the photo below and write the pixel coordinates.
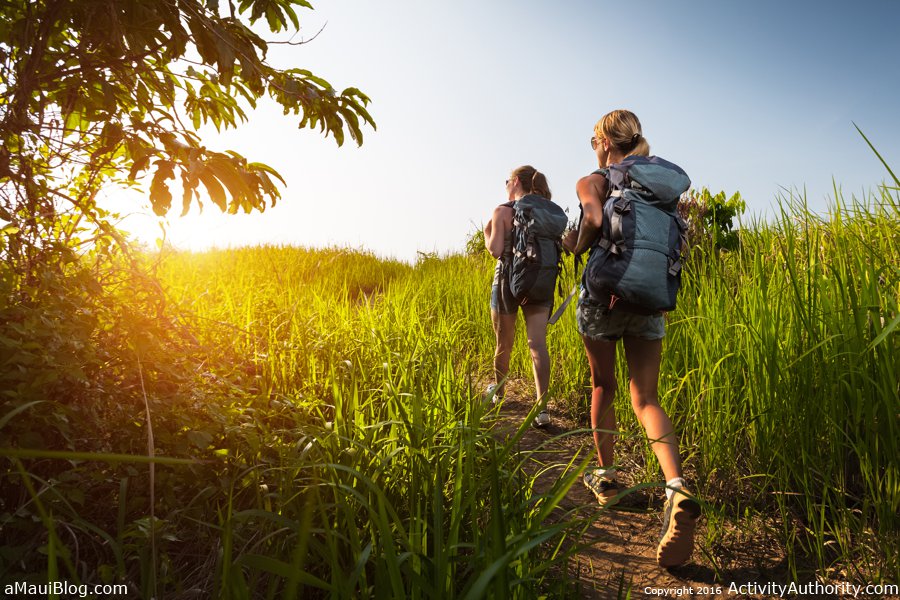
(630, 226)
(524, 236)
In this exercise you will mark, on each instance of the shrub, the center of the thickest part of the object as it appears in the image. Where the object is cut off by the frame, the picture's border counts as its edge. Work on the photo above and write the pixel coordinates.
(710, 218)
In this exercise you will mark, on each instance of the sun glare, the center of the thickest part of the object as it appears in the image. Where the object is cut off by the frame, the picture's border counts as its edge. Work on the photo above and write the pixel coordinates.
(195, 231)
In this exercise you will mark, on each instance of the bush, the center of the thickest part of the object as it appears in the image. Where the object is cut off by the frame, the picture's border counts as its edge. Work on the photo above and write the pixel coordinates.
(710, 218)
(475, 243)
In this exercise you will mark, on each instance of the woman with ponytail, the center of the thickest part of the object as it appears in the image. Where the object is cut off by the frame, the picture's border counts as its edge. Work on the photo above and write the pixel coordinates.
(528, 194)
(618, 135)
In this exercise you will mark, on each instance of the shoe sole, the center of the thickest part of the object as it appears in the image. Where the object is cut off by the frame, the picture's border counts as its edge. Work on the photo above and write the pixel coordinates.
(677, 543)
(604, 499)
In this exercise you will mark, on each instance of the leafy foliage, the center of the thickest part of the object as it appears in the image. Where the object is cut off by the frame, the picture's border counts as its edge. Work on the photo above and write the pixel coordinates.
(93, 91)
(475, 243)
(710, 218)
(96, 93)
(80, 355)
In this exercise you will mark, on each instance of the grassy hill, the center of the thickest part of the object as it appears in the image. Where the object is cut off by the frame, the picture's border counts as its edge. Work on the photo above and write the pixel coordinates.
(328, 404)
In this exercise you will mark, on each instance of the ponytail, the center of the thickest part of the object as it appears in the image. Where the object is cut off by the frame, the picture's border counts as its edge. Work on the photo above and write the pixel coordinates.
(533, 181)
(623, 130)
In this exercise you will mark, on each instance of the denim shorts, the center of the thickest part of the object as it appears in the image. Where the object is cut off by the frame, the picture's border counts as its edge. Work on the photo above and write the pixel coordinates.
(599, 323)
(503, 301)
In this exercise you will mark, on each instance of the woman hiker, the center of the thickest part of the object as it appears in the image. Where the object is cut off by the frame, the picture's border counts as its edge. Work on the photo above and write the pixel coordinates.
(601, 324)
(524, 236)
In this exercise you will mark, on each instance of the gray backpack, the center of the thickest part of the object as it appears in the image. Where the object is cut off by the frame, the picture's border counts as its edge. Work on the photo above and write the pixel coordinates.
(636, 264)
(537, 230)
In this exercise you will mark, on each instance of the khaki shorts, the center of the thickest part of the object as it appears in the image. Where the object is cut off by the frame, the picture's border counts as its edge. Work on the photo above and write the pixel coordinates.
(599, 323)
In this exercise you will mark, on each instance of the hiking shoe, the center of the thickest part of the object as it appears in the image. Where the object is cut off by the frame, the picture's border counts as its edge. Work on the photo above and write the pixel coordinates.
(604, 488)
(542, 419)
(679, 522)
(492, 394)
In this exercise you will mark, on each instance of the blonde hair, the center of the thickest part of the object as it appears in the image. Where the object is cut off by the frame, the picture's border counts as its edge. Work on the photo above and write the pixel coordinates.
(533, 181)
(623, 130)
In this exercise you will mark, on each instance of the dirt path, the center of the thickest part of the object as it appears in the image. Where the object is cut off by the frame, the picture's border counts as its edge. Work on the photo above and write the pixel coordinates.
(621, 551)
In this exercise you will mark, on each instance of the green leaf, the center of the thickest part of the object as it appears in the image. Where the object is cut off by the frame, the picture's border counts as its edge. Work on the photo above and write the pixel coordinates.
(200, 439)
(138, 165)
(264, 167)
(160, 195)
(214, 188)
(225, 53)
(92, 456)
(8, 416)
(292, 14)
(231, 176)
(274, 17)
(186, 194)
(281, 569)
(895, 322)
(884, 162)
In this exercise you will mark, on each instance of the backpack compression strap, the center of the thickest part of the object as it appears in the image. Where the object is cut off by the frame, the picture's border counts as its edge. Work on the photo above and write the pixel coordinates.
(675, 262)
(618, 182)
(522, 221)
(615, 243)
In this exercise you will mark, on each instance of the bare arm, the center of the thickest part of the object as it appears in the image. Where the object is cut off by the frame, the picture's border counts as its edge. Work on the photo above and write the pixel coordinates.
(497, 229)
(591, 192)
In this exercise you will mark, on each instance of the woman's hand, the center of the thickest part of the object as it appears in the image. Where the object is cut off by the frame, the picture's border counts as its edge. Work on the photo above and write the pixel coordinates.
(570, 238)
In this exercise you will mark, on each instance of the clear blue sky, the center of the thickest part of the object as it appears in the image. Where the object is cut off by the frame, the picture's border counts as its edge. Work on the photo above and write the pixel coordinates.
(752, 97)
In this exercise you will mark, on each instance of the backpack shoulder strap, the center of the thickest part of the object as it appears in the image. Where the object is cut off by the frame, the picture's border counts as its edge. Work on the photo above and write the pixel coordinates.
(604, 172)
(612, 239)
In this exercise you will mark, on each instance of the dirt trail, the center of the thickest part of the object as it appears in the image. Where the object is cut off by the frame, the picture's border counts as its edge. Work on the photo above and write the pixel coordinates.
(622, 542)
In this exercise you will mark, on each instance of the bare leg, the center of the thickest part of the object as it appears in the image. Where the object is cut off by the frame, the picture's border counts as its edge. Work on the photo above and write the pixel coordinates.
(536, 327)
(643, 357)
(504, 331)
(602, 360)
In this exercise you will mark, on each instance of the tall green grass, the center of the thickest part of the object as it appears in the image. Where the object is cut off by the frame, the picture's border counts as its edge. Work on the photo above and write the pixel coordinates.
(340, 447)
(382, 479)
(783, 370)
(780, 370)
(339, 441)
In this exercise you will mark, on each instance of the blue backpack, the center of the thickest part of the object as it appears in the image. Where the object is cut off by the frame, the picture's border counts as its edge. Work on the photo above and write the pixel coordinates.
(636, 263)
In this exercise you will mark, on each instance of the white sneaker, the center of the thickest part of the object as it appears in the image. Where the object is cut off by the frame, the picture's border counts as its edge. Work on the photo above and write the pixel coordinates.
(491, 394)
(542, 419)
(676, 544)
